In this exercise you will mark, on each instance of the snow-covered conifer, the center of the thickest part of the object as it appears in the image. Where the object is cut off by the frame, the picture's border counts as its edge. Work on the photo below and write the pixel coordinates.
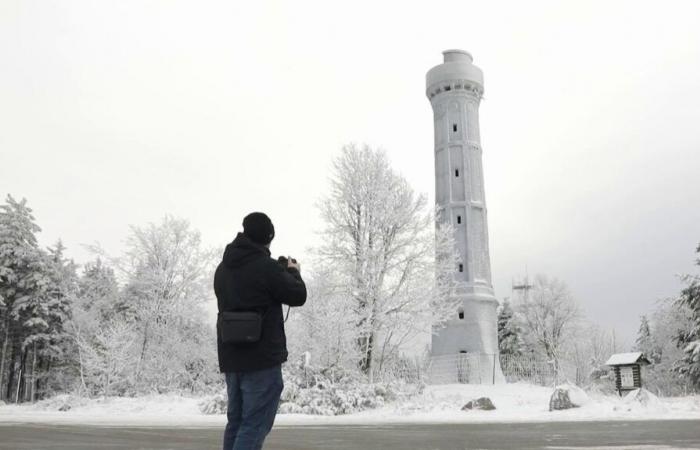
(509, 340)
(24, 296)
(689, 339)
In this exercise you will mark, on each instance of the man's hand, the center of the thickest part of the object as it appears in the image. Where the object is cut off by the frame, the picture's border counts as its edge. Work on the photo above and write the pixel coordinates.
(291, 263)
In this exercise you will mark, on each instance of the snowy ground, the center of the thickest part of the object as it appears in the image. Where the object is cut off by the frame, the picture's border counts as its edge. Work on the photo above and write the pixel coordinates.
(438, 404)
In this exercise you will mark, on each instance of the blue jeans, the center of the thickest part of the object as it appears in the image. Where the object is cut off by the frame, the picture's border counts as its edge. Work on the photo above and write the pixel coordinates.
(253, 399)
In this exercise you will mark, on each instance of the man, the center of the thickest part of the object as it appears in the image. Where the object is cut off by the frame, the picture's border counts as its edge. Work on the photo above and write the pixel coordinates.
(248, 279)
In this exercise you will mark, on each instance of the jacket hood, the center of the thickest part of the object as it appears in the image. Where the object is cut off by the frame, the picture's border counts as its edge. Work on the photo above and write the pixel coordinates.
(242, 251)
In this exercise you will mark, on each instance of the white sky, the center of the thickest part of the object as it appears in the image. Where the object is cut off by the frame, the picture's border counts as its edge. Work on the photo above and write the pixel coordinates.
(116, 113)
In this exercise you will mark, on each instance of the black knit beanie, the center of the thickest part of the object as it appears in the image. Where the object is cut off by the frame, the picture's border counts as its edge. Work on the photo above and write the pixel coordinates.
(258, 227)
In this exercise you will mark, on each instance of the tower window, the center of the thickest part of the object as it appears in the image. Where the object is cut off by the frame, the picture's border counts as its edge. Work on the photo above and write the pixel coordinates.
(459, 219)
(456, 172)
(454, 127)
(461, 268)
(461, 315)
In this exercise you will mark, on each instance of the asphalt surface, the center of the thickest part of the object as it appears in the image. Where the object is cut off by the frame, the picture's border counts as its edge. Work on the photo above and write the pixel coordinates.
(553, 435)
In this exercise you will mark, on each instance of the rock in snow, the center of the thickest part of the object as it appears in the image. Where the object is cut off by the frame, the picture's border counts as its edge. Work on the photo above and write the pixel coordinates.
(482, 403)
(560, 399)
(578, 396)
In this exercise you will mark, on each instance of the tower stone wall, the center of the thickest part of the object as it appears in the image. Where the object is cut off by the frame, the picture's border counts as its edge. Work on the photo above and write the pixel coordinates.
(455, 89)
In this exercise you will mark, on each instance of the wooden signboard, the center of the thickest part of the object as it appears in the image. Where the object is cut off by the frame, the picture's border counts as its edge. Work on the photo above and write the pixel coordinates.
(627, 377)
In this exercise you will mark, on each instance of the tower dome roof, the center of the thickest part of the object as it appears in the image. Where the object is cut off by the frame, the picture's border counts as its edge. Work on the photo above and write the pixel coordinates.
(457, 65)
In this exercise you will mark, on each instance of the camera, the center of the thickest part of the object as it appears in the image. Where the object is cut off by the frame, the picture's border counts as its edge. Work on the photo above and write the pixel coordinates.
(283, 261)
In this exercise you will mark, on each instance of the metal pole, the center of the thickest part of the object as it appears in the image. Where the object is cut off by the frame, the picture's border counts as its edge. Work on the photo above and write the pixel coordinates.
(19, 382)
(494, 369)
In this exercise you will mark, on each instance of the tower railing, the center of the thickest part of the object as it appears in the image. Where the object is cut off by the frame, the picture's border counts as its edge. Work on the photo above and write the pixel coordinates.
(482, 368)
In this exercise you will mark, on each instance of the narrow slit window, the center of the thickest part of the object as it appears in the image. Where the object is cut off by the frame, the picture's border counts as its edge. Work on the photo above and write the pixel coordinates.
(459, 219)
(456, 172)
(454, 127)
(461, 267)
(461, 314)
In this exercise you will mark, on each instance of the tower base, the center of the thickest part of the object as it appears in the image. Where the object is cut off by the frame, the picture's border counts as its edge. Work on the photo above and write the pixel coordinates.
(465, 350)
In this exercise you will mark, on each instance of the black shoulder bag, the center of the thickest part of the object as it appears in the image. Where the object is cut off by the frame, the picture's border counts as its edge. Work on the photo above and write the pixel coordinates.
(240, 327)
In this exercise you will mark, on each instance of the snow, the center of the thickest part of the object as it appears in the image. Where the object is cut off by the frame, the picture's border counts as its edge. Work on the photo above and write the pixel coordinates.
(625, 358)
(516, 402)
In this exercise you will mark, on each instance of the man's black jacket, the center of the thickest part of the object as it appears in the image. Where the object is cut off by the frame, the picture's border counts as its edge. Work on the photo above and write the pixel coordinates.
(249, 280)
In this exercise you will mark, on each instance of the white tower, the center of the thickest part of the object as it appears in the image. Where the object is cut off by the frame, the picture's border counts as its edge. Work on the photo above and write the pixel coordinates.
(454, 89)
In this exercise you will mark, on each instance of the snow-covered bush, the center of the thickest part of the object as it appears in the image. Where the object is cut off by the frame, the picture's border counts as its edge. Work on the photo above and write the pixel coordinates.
(215, 404)
(328, 392)
(61, 402)
(310, 390)
(641, 400)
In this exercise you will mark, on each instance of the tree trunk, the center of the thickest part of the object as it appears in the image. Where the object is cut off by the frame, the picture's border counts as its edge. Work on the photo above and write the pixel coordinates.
(143, 354)
(80, 361)
(46, 363)
(370, 353)
(11, 377)
(32, 396)
(366, 343)
(4, 354)
(19, 383)
(22, 380)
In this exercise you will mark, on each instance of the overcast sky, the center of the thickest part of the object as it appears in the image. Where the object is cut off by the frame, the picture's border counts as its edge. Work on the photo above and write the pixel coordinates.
(116, 113)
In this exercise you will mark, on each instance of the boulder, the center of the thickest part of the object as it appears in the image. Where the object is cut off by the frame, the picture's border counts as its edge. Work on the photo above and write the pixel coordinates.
(481, 403)
(560, 400)
(578, 396)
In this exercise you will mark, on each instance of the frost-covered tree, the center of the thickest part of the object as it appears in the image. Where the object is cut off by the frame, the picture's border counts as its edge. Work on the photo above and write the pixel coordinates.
(509, 340)
(36, 290)
(48, 339)
(689, 339)
(589, 350)
(644, 334)
(168, 278)
(99, 290)
(667, 321)
(94, 316)
(23, 283)
(149, 300)
(106, 354)
(379, 239)
(323, 329)
(645, 342)
(550, 318)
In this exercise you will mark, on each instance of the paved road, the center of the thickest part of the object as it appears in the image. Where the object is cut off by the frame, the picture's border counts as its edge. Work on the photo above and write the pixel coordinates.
(553, 435)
